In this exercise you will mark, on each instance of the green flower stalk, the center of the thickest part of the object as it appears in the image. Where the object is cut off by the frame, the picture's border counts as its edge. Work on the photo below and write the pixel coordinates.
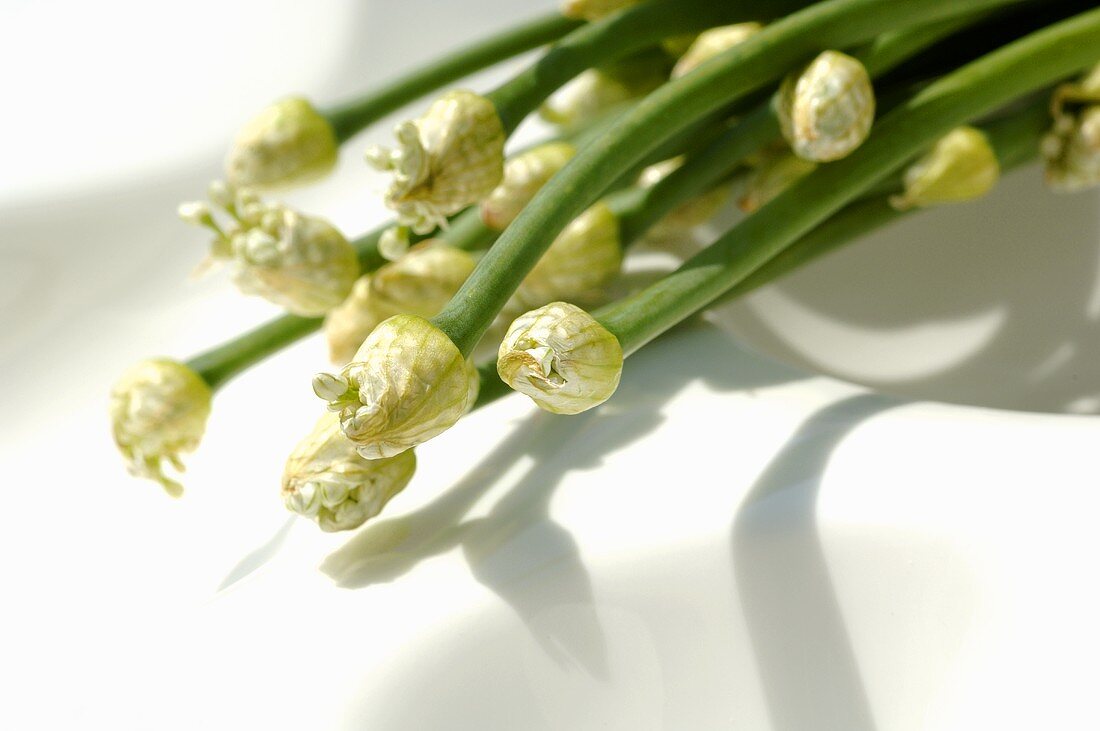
(1071, 149)
(419, 283)
(826, 110)
(326, 480)
(407, 384)
(524, 174)
(961, 166)
(692, 212)
(302, 263)
(450, 158)
(158, 411)
(777, 172)
(712, 42)
(562, 358)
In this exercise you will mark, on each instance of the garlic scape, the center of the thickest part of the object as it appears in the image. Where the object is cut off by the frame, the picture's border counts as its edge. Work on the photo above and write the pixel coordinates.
(777, 171)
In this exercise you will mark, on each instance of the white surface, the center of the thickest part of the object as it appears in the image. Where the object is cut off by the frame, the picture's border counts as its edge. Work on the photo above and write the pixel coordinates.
(730, 543)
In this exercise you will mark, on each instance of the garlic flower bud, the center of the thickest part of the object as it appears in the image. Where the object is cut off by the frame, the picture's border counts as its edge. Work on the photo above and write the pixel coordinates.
(961, 166)
(1072, 148)
(712, 42)
(287, 143)
(299, 262)
(593, 9)
(562, 358)
(597, 90)
(158, 410)
(450, 158)
(690, 213)
(524, 174)
(584, 258)
(775, 173)
(407, 384)
(419, 283)
(826, 110)
(325, 479)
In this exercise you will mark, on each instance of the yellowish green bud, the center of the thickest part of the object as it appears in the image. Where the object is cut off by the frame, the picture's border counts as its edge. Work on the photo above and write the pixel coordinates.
(961, 166)
(326, 480)
(826, 110)
(419, 283)
(1071, 149)
(158, 411)
(775, 173)
(689, 214)
(593, 93)
(562, 358)
(302, 263)
(585, 257)
(448, 159)
(593, 9)
(288, 143)
(407, 383)
(524, 175)
(712, 42)
(394, 243)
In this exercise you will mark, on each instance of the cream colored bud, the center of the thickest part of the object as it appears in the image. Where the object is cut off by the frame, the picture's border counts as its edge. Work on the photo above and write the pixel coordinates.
(961, 166)
(287, 143)
(593, 9)
(394, 243)
(448, 159)
(1071, 149)
(524, 175)
(593, 93)
(585, 257)
(562, 358)
(689, 214)
(712, 42)
(158, 411)
(407, 384)
(326, 480)
(775, 173)
(419, 283)
(826, 110)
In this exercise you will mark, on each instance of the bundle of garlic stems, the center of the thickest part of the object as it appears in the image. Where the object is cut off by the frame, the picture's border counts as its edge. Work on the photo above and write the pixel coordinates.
(824, 120)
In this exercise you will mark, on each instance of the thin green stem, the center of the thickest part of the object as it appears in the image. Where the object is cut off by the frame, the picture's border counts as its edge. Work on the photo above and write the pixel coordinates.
(758, 61)
(978, 88)
(349, 118)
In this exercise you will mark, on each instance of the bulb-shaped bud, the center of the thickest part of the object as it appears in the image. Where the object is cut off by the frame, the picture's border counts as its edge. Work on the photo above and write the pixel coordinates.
(690, 213)
(326, 480)
(961, 166)
(302, 263)
(158, 411)
(775, 173)
(712, 42)
(524, 174)
(826, 110)
(1071, 149)
(407, 383)
(597, 91)
(450, 158)
(562, 358)
(288, 143)
(593, 9)
(419, 283)
(583, 259)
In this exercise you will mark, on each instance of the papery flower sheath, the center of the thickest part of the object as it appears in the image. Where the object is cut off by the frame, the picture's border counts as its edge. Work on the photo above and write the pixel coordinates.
(524, 175)
(826, 110)
(287, 143)
(710, 43)
(1071, 149)
(961, 166)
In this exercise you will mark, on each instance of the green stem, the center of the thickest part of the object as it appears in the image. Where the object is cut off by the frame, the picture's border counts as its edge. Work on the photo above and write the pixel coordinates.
(349, 118)
(758, 61)
(978, 88)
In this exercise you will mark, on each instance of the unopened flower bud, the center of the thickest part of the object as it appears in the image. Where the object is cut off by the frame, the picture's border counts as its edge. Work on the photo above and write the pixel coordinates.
(961, 166)
(407, 384)
(299, 262)
(326, 480)
(448, 159)
(419, 283)
(775, 173)
(593, 9)
(562, 358)
(524, 175)
(583, 259)
(712, 42)
(158, 411)
(594, 92)
(689, 214)
(394, 243)
(826, 110)
(287, 143)
(1072, 147)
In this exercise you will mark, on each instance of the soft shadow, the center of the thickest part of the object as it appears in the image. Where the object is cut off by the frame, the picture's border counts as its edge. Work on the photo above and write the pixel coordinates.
(803, 650)
(258, 556)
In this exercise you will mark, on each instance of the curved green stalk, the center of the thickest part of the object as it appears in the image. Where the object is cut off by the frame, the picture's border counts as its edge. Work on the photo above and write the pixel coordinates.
(760, 60)
(349, 118)
(978, 88)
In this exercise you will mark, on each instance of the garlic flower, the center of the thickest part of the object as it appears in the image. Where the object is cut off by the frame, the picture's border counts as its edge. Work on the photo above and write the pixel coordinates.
(712, 42)
(961, 166)
(1072, 148)
(287, 143)
(524, 175)
(596, 91)
(826, 110)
